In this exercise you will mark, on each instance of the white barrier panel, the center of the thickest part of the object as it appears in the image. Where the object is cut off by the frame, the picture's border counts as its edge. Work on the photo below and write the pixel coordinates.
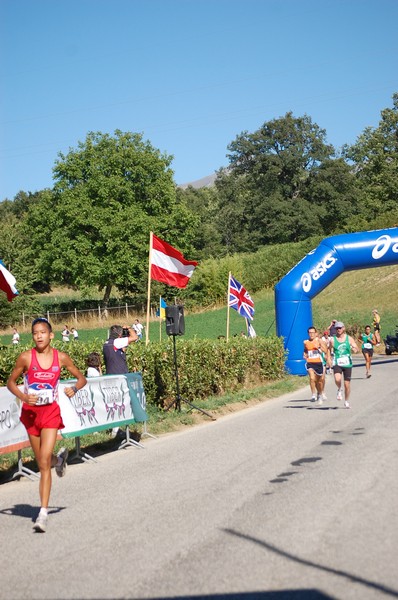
(13, 434)
(105, 402)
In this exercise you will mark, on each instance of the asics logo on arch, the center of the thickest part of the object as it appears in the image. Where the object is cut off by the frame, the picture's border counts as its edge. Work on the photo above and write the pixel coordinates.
(317, 272)
(383, 244)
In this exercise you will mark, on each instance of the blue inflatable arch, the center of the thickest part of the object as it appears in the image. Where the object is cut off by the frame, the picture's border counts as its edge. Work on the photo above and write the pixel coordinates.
(334, 255)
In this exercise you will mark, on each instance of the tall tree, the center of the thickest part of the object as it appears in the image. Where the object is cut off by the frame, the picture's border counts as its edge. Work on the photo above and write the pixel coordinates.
(203, 203)
(333, 189)
(15, 254)
(94, 227)
(264, 192)
(375, 160)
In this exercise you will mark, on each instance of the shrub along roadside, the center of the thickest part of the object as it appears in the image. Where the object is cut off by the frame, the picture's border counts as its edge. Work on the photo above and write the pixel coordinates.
(206, 367)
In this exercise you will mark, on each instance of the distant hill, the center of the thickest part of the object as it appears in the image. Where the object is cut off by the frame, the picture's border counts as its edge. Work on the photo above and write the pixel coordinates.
(207, 181)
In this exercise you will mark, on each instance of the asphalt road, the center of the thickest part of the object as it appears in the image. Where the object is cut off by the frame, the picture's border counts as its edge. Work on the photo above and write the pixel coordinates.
(282, 500)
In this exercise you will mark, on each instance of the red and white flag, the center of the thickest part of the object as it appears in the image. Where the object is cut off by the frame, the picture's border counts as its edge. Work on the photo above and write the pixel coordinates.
(7, 283)
(168, 264)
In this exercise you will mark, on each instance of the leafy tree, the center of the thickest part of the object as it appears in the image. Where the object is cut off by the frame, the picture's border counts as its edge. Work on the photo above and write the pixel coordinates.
(24, 304)
(264, 192)
(19, 205)
(14, 252)
(93, 229)
(375, 160)
(10, 238)
(333, 189)
(5, 209)
(203, 202)
(280, 154)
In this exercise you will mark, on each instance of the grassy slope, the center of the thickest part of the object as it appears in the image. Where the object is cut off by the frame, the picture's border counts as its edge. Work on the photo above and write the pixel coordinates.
(352, 296)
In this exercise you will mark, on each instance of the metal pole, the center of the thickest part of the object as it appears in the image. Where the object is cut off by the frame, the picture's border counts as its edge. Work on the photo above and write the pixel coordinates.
(178, 399)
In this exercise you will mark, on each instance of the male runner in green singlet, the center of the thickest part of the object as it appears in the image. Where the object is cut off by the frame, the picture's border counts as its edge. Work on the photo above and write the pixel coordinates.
(341, 345)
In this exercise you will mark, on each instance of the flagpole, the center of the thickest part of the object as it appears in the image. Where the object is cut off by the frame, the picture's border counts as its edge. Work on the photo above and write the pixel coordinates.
(148, 305)
(229, 283)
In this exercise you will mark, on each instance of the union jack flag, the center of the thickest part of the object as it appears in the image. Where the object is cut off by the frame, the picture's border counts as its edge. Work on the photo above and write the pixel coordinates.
(239, 299)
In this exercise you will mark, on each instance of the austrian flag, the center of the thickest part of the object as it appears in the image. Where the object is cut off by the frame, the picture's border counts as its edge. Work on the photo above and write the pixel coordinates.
(7, 283)
(168, 264)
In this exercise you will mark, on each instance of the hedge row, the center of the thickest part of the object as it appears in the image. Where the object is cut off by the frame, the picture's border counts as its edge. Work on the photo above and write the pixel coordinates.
(205, 367)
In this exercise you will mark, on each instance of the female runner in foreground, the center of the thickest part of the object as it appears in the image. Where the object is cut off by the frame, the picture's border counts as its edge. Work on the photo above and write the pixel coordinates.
(41, 415)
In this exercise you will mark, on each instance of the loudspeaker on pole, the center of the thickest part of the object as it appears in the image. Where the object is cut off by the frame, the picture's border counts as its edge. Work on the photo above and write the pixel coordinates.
(175, 323)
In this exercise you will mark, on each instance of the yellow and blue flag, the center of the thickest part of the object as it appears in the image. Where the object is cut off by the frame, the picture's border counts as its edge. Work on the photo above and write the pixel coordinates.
(161, 312)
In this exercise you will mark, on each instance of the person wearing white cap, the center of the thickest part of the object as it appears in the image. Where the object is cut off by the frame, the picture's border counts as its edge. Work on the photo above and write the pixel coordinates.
(342, 345)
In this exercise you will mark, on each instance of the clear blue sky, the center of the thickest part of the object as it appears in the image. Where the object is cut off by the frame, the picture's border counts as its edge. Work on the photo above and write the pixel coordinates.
(190, 75)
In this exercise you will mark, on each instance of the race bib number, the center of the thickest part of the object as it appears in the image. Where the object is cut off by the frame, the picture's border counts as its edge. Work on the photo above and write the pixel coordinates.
(343, 361)
(45, 396)
(313, 353)
(367, 345)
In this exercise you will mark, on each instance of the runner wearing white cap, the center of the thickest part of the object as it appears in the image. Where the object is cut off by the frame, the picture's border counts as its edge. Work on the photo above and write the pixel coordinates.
(342, 345)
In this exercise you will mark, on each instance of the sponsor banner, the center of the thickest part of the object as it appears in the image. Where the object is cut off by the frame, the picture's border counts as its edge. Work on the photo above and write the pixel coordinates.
(105, 402)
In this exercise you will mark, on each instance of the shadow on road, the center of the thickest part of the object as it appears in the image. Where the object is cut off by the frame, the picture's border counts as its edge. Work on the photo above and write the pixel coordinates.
(376, 360)
(305, 594)
(27, 511)
(308, 563)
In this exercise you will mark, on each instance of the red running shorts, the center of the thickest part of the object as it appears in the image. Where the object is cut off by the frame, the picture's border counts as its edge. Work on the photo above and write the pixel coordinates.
(36, 418)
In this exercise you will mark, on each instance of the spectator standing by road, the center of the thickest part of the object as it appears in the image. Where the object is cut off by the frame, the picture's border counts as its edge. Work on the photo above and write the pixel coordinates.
(376, 326)
(332, 328)
(114, 351)
(342, 345)
(115, 347)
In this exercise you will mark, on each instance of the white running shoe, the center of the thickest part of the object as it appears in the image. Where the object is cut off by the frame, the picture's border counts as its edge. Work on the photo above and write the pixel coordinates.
(339, 395)
(313, 398)
(60, 467)
(319, 401)
(347, 404)
(40, 524)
